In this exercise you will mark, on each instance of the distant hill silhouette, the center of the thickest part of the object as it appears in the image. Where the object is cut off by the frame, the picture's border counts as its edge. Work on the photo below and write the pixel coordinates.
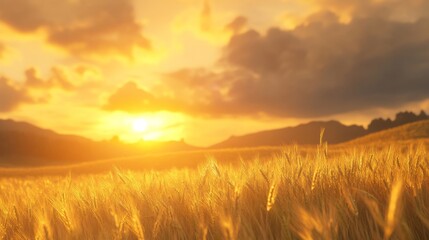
(410, 131)
(335, 132)
(24, 144)
(309, 133)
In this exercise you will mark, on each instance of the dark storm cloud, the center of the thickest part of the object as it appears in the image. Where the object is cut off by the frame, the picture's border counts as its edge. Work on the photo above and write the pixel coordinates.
(81, 27)
(326, 67)
(11, 97)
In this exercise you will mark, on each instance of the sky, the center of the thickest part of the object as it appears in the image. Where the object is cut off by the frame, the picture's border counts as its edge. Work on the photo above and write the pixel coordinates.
(203, 70)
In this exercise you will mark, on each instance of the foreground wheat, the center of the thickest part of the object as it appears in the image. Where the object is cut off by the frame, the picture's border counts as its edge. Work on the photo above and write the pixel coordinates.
(353, 194)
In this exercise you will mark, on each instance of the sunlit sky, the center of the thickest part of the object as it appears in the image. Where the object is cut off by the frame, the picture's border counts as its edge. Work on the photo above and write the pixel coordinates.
(205, 70)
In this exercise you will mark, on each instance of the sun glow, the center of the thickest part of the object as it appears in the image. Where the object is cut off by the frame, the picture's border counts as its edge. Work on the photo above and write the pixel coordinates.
(140, 125)
(145, 127)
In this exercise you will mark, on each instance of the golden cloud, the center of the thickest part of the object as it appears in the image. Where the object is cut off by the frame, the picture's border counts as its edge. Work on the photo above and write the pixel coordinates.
(131, 98)
(58, 79)
(35, 89)
(407, 11)
(93, 27)
(320, 68)
(238, 25)
(2, 50)
(11, 96)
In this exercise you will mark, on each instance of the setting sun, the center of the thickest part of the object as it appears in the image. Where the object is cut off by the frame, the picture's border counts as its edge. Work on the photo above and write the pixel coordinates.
(140, 125)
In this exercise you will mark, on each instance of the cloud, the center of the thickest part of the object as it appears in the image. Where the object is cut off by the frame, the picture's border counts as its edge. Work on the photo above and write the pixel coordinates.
(395, 10)
(327, 68)
(172, 96)
(63, 77)
(237, 25)
(58, 79)
(204, 92)
(321, 68)
(94, 27)
(2, 50)
(131, 98)
(34, 89)
(324, 66)
(206, 17)
(11, 97)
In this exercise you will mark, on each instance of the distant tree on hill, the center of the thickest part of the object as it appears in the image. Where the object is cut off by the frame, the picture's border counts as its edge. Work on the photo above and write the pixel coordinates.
(379, 124)
(401, 118)
(422, 116)
(404, 118)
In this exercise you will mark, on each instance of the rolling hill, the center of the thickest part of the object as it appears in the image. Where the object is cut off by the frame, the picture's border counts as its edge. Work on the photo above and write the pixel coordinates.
(25, 144)
(411, 131)
(309, 133)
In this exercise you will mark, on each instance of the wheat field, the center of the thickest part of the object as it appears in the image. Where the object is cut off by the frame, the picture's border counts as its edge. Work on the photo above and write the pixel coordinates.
(357, 193)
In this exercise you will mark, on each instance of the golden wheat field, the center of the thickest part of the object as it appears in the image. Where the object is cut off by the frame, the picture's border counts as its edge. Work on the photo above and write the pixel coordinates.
(359, 193)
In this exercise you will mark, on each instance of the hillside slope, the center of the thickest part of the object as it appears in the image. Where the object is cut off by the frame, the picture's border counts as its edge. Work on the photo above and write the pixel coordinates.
(411, 131)
(309, 133)
(25, 144)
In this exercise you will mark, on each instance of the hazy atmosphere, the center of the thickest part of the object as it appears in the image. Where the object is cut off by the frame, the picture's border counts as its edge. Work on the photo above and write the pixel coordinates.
(205, 70)
(204, 119)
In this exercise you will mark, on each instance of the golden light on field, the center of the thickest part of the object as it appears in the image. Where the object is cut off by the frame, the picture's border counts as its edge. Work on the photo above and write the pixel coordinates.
(214, 119)
(362, 193)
